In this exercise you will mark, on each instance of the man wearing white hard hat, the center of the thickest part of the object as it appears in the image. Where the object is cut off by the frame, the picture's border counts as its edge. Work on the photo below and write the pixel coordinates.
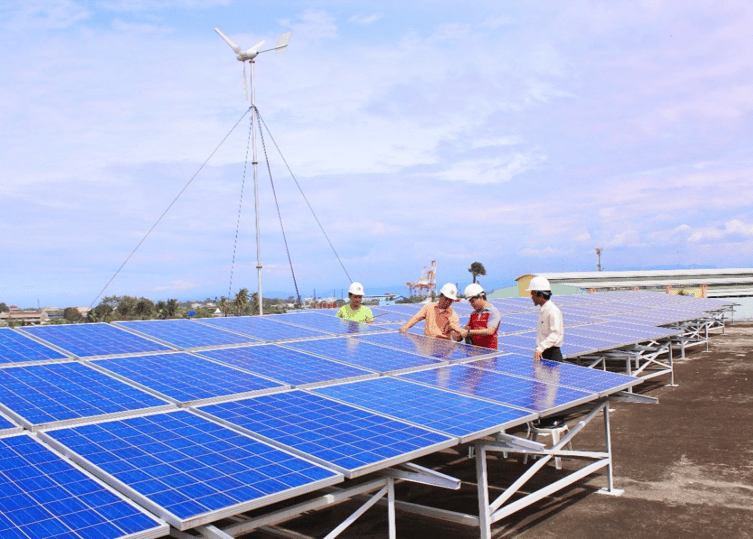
(439, 319)
(354, 310)
(485, 318)
(550, 330)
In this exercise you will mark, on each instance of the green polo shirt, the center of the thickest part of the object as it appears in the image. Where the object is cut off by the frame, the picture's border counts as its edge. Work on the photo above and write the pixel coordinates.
(361, 315)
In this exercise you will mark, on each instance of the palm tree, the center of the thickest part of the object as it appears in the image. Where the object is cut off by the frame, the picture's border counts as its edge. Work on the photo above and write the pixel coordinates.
(477, 268)
(223, 305)
(241, 300)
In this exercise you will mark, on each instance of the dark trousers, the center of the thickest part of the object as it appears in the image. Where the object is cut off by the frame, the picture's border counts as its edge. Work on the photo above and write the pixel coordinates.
(553, 353)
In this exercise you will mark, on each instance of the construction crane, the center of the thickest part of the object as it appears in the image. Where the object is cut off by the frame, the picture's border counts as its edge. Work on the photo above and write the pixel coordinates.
(426, 283)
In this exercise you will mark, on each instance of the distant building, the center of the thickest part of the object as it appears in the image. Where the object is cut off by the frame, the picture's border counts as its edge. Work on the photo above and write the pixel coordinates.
(702, 283)
(17, 316)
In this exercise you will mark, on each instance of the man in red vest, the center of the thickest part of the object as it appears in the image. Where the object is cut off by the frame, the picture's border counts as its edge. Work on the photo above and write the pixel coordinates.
(485, 319)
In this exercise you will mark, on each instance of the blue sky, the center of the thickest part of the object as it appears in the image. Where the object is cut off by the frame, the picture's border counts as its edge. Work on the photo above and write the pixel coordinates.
(518, 134)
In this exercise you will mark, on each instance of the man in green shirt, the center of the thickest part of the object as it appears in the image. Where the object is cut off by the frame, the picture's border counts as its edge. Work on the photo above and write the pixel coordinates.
(354, 310)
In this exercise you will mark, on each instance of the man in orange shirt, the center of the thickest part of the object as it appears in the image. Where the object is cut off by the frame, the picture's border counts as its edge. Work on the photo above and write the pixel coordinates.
(439, 319)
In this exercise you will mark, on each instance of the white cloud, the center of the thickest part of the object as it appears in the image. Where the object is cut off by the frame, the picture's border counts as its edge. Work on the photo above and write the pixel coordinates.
(365, 20)
(733, 229)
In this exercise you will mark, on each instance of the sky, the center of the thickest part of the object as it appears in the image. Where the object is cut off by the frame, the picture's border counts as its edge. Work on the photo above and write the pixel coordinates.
(519, 134)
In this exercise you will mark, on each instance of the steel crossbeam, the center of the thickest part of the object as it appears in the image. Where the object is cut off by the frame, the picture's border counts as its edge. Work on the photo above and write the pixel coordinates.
(384, 486)
(646, 360)
(493, 511)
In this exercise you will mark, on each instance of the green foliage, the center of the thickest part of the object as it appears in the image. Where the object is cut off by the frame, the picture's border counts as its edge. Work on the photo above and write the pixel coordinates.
(4, 308)
(477, 268)
(412, 299)
(71, 315)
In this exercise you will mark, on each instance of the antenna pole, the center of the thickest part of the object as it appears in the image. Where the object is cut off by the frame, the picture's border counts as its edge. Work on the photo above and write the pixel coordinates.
(254, 162)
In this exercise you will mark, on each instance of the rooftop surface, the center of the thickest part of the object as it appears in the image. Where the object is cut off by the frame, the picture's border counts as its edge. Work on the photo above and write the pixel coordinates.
(685, 464)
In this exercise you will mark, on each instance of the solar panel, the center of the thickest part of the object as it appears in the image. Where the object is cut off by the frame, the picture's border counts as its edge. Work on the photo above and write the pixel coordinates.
(186, 469)
(186, 378)
(559, 373)
(429, 407)
(264, 328)
(40, 395)
(185, 333)
(8, 427)
(439, 349)
(382, 315)
(86, 340)
(285, 365)
(324, 323)
(44, 495)
(353, 441)
(16, 347)
(357, 352)
(534, 395)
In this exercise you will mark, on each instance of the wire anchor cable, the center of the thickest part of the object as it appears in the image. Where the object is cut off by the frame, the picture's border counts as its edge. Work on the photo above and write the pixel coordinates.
(240, 207)
(261, 121)
(277, 205)
(169, 206)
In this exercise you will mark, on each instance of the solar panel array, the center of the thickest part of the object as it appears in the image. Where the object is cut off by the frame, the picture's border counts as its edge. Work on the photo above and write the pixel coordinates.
(194, 421)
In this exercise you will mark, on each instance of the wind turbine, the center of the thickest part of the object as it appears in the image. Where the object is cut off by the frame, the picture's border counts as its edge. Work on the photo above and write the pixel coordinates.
(250, 56)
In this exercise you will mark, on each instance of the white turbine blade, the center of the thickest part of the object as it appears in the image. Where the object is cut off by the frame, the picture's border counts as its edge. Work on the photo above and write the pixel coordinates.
(233, 46)
(282, 43)
(253, 50)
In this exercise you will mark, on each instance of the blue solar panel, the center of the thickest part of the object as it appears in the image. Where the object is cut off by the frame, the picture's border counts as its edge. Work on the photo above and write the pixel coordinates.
(287, 366)
(328, 324)
(630, 331)
(184, 377)
(43, 394)
(15, 347)
(7, 426)
(353, 440)
(458, 415)
(189, 470)
(440, 349)
(44, 495)
(558, 373)
(85, 340)
(534, 395)
(382, 315)
(652, 331)
(264, 328)
(363, 354)
(185, 333)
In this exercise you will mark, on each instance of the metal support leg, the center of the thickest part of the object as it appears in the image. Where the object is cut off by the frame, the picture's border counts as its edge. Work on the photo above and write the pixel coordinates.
(608, 442)
(482, 480)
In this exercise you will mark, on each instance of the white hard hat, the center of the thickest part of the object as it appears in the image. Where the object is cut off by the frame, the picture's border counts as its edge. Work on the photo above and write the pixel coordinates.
(450, 291)
(356, 289)
(473, 290)
(539, 284)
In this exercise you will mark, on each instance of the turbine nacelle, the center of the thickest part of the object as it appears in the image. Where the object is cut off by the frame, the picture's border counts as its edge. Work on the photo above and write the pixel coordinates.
(254, 51)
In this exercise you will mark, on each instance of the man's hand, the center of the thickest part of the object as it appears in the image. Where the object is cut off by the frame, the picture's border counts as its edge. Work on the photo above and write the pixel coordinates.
(403, 329)
(537, 355)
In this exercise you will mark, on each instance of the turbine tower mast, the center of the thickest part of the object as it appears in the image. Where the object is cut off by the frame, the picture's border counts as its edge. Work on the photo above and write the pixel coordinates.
(598, 257)
(250, 56)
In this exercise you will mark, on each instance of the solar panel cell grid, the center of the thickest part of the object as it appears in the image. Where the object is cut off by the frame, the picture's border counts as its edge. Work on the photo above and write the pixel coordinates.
(263, 328)
(439, 349)
(341, 435)
(42, 394)
(287, 366)
(187, 469)
(185, 333)
(542, 394)
(429, 407)
(363, 354)
(556, 372)
(324, 323)
(43, 495)
(86, 340)
(16, 347)
(185, 377)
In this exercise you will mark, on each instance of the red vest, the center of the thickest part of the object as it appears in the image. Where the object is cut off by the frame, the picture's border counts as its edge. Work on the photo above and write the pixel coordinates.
(479, 321)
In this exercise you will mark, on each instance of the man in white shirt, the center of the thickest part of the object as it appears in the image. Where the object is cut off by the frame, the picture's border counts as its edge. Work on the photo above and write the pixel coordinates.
(550, 330)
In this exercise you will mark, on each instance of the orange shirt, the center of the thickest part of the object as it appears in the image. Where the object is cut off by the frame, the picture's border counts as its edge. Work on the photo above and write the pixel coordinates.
(437, 323)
